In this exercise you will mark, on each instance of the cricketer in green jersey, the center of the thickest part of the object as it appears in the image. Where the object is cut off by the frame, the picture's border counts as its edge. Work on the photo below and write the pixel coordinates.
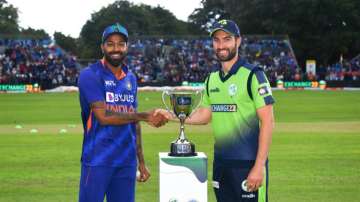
(238, 103)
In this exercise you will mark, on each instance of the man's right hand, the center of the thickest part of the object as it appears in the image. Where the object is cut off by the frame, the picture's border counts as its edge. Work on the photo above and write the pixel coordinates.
(157, 119)
(169, 116)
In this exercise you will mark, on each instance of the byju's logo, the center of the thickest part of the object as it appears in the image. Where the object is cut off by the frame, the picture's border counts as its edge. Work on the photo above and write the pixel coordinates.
(110, 97)
(116, 97)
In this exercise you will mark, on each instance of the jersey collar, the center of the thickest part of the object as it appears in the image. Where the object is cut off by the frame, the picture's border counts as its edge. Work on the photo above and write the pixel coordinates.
(232, 71)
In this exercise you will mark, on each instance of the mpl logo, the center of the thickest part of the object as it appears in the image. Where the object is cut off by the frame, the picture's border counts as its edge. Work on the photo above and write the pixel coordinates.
(264, 90)
(110, 83)
(110, 97)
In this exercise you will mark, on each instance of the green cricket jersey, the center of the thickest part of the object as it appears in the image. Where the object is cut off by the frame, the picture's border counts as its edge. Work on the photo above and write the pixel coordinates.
(234, 120)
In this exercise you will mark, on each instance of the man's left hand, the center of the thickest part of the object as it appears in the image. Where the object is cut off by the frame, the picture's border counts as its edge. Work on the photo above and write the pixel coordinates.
(255, 178)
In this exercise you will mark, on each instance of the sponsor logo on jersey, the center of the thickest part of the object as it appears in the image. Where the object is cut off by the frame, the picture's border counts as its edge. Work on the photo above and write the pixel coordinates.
(215, 90)
(264, 90)
(232, 89)
(120, 108)
(110, 83)
(110, 97)
(117, 97)
(224, 107)
(248, 195)
(244, 186)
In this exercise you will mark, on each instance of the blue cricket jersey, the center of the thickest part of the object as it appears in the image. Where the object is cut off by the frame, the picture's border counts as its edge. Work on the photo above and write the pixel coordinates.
(107, 145)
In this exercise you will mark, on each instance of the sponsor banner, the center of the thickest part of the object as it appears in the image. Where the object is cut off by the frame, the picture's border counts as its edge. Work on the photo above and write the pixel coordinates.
(301, 84)
(27, 88)
(193, 84)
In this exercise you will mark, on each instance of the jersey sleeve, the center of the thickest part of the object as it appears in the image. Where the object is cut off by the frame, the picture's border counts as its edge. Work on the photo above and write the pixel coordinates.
(90, 87)
(261, 90)
(205, 102)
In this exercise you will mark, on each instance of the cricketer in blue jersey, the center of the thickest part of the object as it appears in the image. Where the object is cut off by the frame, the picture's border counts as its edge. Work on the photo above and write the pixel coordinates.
(112, 136)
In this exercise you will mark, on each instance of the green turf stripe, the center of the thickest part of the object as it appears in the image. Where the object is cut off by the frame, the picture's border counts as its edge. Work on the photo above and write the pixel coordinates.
(262, 190)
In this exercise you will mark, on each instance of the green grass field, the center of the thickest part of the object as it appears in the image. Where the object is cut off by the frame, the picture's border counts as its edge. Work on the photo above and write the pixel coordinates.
(315, 155)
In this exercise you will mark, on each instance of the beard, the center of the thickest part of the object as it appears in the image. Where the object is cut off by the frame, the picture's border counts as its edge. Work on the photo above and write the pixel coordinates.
(231, 53)
(116, 62)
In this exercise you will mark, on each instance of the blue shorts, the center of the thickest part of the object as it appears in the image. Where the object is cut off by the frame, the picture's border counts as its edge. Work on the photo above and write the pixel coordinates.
(229, 182)
(116, 183)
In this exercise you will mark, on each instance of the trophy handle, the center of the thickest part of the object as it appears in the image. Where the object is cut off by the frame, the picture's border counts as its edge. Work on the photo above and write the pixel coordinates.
(163, 99)
(199, 103)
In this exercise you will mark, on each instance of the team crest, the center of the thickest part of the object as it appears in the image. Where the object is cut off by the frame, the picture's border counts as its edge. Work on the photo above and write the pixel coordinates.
(232, 89)
(128, 85)
(223, 22)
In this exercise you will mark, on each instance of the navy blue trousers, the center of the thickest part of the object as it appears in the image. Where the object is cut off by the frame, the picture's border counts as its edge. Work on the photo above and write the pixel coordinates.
(117, 184)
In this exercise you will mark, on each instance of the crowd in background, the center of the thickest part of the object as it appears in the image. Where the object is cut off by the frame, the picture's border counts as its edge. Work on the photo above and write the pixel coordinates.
(24, 61)
(177, 60)
(157, 60)
(342, 71)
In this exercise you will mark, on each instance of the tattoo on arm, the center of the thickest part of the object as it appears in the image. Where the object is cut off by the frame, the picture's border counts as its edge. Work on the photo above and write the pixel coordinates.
(98, 105)
(107, 116)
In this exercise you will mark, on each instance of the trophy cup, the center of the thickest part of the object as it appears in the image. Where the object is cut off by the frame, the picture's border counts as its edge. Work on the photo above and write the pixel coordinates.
(182, 104)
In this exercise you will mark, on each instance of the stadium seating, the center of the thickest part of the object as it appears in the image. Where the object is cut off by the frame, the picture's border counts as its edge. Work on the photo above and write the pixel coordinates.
(158, 60)
(344, 70)
(24, 61)
(175, 60)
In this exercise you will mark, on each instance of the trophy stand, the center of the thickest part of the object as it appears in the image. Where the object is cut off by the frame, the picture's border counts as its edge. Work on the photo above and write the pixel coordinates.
(183, 172)
(183, 178)
(182, 146)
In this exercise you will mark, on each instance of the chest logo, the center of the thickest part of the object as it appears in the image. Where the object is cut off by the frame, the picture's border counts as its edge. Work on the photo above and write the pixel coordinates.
(128, 85)
(232, 89)
(224, 108)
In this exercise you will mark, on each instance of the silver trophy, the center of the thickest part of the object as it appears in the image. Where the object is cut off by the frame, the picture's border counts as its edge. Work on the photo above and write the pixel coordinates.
(182, 104)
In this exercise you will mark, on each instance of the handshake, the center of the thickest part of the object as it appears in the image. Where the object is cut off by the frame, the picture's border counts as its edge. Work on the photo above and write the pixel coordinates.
(159, 117)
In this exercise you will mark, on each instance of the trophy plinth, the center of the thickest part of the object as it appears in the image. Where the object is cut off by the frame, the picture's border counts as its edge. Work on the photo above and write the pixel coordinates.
(178, 148)
(182, 105)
